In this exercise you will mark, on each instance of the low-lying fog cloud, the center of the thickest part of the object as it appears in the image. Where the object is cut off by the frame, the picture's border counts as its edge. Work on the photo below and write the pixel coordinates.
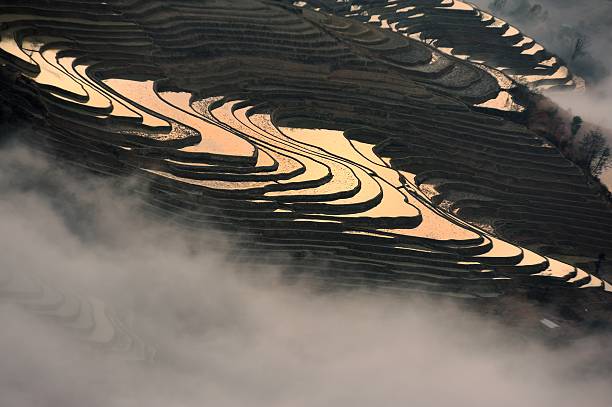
(235, 335)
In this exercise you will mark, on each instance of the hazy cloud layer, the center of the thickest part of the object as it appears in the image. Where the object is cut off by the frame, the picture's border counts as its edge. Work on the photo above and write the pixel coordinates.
(230, 335)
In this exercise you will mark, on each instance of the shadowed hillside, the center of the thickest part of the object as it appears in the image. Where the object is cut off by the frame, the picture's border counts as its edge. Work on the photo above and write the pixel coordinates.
(362, 144)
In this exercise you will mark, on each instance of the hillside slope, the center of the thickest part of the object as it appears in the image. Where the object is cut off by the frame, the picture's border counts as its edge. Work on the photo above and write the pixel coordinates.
(396, 165)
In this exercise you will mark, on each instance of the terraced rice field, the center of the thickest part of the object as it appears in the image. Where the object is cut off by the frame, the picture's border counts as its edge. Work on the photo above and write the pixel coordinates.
(460, 29)
(382, 139)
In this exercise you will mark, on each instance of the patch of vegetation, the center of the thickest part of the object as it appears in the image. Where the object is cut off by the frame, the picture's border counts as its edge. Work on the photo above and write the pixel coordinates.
(593, 153)
(587, 148)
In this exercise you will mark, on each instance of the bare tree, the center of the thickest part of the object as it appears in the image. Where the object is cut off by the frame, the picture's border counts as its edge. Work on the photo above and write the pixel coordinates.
(580, 47)
(536, 9)
(601, 162)
(497, 5)
(576, 125)
(594, 153)
(570, 140)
